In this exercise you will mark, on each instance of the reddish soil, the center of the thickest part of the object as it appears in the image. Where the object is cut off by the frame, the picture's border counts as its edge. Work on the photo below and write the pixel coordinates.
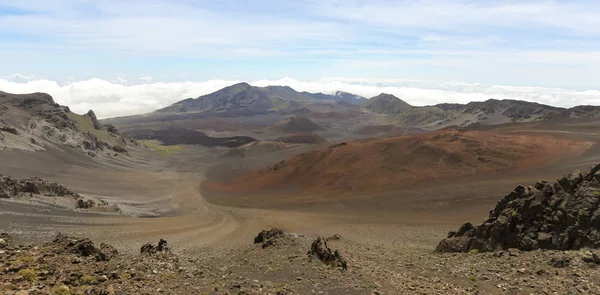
(411, 161)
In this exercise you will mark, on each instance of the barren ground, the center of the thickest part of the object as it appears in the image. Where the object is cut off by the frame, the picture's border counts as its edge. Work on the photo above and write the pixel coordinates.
(388, 237)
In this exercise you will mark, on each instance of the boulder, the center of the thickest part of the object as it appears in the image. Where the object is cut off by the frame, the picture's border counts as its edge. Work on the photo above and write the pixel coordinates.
(106, 252)
(320, 250)
(563, 216)
(84, 247)
(267, 237)
(81, 204)
(95, 121)
(149, 248)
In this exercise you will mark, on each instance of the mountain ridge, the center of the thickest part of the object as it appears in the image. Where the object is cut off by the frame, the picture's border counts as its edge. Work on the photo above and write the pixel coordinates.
(35, 122)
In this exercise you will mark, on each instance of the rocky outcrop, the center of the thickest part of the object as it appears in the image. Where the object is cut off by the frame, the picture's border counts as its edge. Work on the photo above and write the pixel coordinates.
(9, 130)
(81, 204)
(119, 149)
(149, 248)
(84, 247)
(11, 187)
(94, 119)
(5, 240)
(112, 129)
(563, 216)
(93, 143)
(268, 237)
(320, 250)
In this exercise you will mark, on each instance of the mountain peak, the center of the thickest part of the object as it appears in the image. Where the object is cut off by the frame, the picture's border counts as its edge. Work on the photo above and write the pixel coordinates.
(385, 103)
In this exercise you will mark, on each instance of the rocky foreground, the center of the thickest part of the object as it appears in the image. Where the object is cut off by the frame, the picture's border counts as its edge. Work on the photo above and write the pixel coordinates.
(289, 263)
(38, 190)
(563, 216)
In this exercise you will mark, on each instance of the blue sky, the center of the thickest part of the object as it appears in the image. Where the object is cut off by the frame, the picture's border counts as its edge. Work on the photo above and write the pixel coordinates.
(551, 44)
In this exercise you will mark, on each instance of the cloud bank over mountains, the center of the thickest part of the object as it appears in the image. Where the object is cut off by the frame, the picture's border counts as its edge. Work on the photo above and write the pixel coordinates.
(121, 98)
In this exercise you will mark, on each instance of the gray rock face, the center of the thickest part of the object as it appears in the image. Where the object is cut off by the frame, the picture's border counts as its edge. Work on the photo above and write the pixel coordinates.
(563, 216)
(11, 187)
(94, 119)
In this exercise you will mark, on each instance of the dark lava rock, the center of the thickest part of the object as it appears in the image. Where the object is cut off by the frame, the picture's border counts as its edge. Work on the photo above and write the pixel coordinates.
(95, 121)
(106, 252)
(93, 143)
(563, 216)
(268, 237)
(112, 129)
(149, 248)
(84, 247)
(119, 149)
(11, 187)
(81, 204)
(9, 130)
(320, 250)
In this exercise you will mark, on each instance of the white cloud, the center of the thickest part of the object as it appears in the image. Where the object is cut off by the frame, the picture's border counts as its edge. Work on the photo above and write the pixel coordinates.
(110, 99)
(121, 79)
(146, 78)
(18, 77)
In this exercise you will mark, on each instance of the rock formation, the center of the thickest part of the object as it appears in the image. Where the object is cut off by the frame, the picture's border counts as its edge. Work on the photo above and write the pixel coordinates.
(149, 248)
(94, 119)
(563, 216)
(268, 237)
(320, 250)
(84, 247)
(11, 187)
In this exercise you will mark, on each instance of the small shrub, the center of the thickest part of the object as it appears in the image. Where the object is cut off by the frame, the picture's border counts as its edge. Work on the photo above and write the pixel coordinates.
(89, 280)
(60, 290)
(25, 258)
(28, 274)
(473, 251)
(473, 278)
(125, 276)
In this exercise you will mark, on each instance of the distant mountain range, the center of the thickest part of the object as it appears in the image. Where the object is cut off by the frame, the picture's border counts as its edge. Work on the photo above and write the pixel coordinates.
(247, 99)
(243, 100)
(489, 112)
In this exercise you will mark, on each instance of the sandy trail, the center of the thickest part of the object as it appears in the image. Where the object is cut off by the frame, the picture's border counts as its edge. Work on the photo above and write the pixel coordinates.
(184, 217)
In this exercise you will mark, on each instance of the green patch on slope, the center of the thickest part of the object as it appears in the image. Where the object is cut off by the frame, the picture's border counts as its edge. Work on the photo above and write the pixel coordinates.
(163, 150)
(84, 124)
(280, 106)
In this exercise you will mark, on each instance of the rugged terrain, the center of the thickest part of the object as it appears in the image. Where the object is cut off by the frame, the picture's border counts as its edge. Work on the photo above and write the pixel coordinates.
(564, 216)
(242, 109)
(408, 162)
(379, 205)
(35, 122)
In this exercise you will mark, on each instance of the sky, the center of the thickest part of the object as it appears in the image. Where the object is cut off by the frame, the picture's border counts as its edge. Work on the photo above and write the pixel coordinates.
(131, 57)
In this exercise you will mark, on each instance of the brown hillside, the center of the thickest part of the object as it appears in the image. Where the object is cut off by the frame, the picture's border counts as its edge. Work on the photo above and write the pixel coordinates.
(408, 161)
